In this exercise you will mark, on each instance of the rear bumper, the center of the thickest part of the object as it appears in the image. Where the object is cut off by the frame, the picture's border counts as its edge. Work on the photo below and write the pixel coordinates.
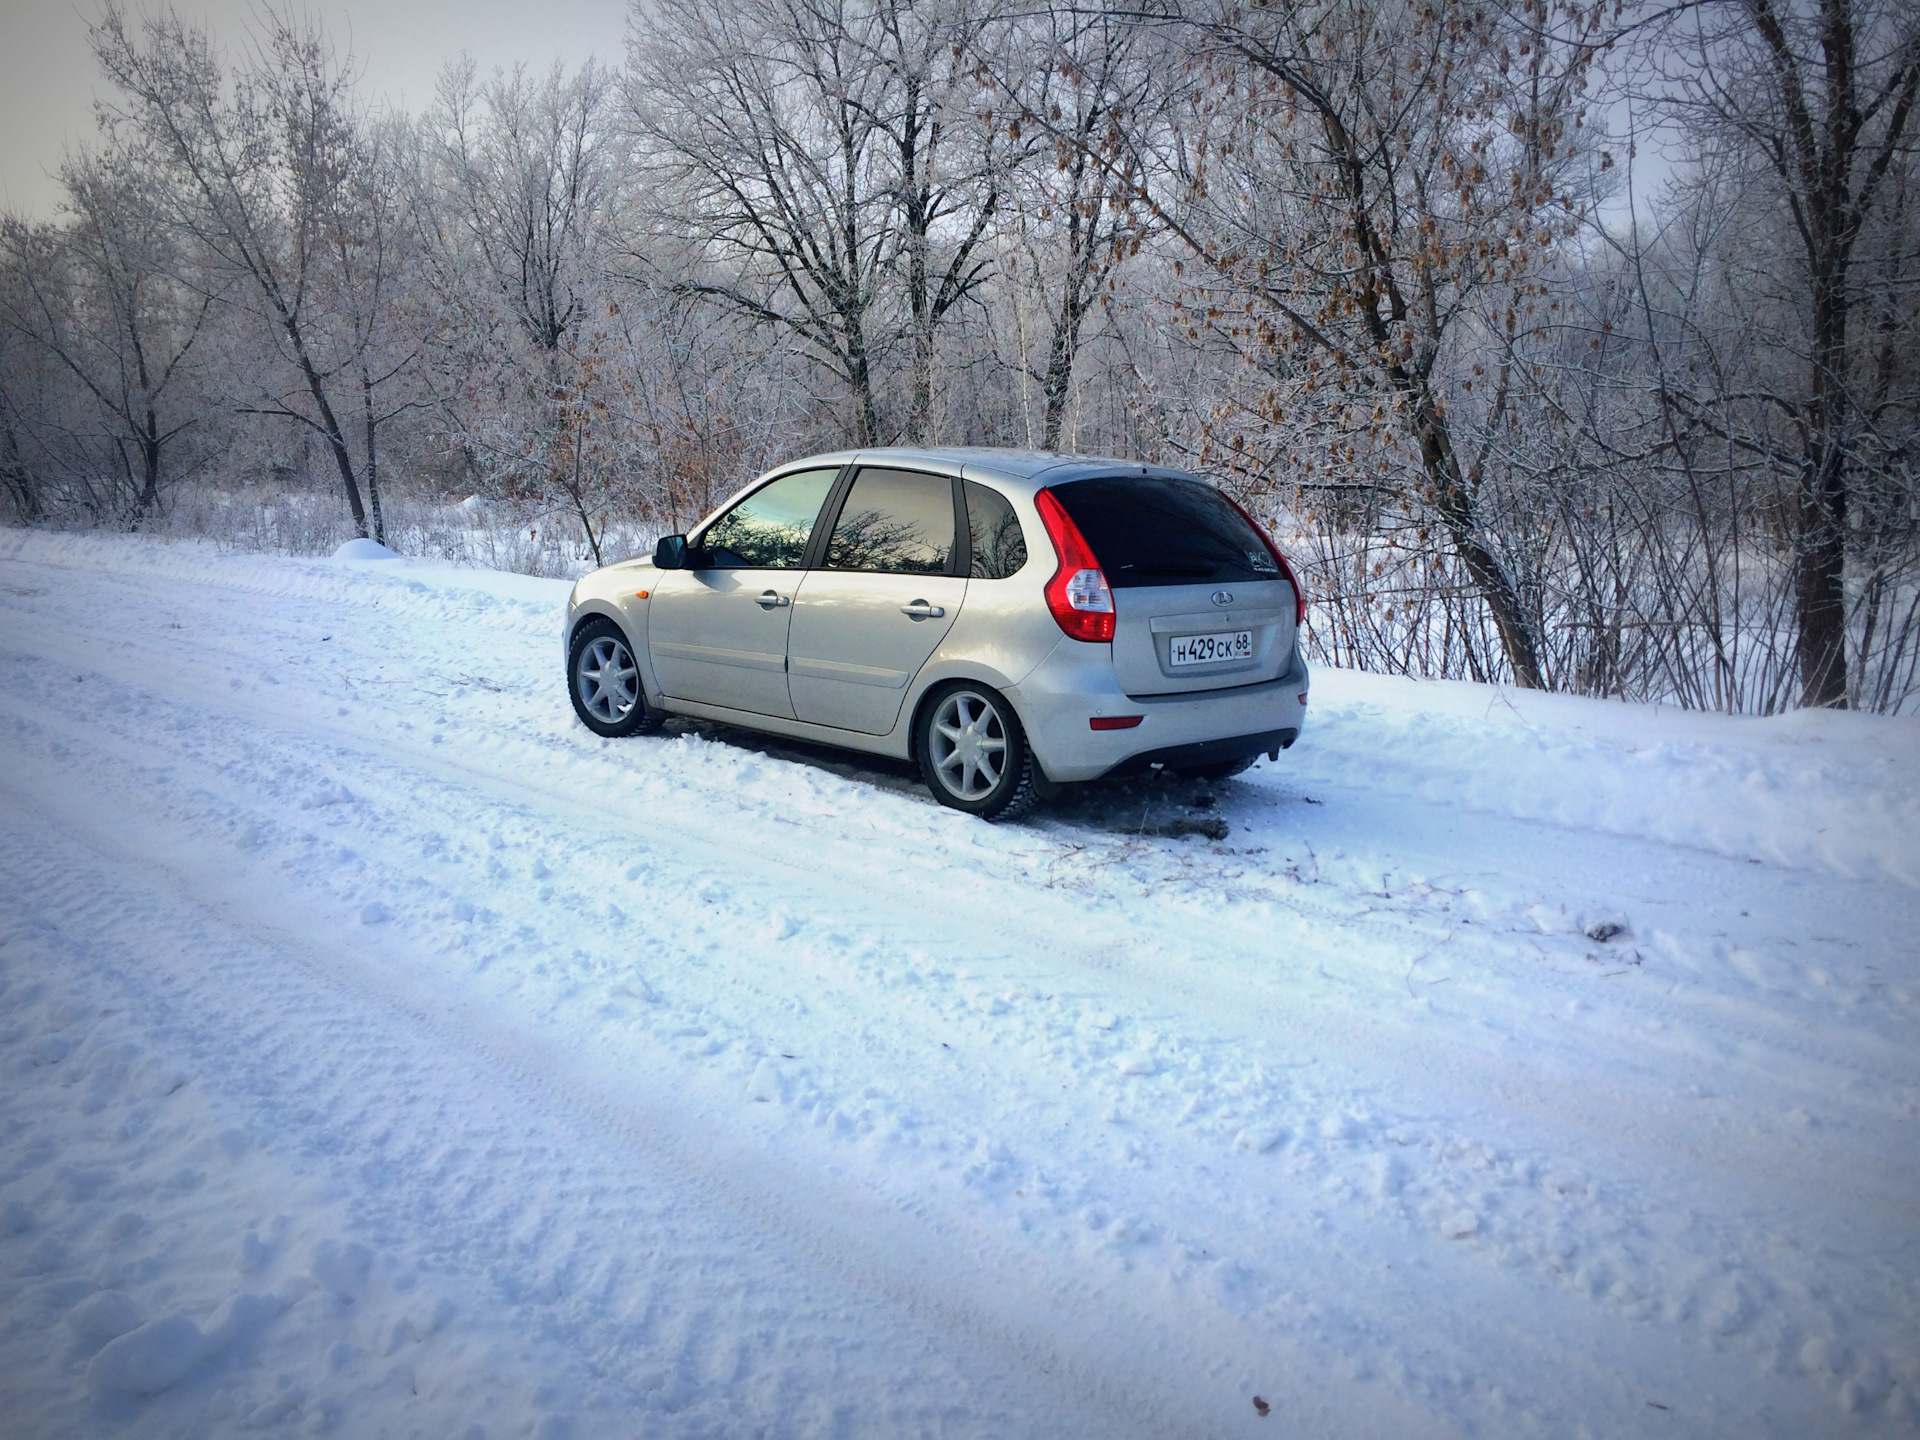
(1076, 683)
(1208, 752)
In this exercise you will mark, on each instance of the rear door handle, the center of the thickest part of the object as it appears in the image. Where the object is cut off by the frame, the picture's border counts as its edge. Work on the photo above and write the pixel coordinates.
(921, 610)
(771, 600)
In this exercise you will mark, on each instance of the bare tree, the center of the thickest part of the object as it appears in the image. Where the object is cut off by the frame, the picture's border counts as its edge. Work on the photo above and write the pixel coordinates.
(103, 295)
(261, 163)
(1813, 104)
(829, 158)
(533, 175)
(764, 122)
(1368, 192)
(945, 175)
(1072, 81)
(21, 398)
(383, 332)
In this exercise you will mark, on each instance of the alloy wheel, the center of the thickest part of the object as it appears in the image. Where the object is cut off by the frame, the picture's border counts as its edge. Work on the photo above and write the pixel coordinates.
(606, 679)
(969, 745)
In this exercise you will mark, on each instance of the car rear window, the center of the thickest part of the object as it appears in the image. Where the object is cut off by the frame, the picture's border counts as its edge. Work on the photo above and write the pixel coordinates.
(1159, 530)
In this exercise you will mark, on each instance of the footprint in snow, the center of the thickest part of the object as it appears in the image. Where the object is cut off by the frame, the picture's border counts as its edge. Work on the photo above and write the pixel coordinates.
(149, 1359)
(764, 1084)
(343, 1269)
(105, 1315)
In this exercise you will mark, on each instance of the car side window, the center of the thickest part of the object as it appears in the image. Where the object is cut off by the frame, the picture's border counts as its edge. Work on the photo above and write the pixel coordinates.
(896, 522)
(999, 547)
(769, 529)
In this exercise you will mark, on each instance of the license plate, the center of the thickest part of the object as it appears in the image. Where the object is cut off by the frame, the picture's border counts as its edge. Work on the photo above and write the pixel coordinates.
(1210, 649)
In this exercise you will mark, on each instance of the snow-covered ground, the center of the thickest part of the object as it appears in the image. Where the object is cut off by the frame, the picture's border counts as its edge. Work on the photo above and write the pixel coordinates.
(385, 1054)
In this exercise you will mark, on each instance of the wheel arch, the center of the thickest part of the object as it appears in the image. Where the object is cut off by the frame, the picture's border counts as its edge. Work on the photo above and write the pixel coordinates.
(594, 608)
(927, 686)
(591, 610)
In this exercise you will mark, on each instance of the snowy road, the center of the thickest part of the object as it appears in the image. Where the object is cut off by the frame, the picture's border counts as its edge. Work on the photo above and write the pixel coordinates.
(385, 1053)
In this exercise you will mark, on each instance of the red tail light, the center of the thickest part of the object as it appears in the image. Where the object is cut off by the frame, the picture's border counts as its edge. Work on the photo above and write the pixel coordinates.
(1078, 594)
(1299, 595)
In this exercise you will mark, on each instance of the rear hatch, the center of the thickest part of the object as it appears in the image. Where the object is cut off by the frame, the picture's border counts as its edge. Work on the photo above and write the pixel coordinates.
(1200, 601)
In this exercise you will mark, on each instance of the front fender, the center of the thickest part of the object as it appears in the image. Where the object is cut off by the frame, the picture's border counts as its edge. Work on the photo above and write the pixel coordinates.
(630, 613)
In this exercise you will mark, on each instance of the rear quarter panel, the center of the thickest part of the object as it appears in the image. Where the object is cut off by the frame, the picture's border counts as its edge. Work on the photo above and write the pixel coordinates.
(1003, 630)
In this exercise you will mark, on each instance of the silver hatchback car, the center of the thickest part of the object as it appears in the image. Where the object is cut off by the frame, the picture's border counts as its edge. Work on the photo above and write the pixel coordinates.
(1011, 621)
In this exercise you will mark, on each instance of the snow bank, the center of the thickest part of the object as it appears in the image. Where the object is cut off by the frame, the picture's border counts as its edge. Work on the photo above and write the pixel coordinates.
(362, 548)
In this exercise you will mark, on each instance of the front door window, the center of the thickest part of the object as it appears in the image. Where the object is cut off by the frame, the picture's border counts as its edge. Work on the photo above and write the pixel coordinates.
(718, 630)
(769, 529)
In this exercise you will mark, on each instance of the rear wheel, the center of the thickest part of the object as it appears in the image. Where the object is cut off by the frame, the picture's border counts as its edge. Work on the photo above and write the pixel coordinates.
(973, 752)
(603, 680)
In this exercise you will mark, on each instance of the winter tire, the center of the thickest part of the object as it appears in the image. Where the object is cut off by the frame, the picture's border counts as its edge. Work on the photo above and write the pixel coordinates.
(603, 680)
(973, 752)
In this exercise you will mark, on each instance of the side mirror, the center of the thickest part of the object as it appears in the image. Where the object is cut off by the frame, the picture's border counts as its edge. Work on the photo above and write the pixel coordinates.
(670, 553)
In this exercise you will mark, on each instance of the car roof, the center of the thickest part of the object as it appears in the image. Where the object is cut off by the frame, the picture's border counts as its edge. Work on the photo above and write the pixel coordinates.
(1026, 470)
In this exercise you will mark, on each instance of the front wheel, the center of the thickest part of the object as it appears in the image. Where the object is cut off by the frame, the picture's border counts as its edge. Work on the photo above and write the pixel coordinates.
(973, 752)
(603, 680)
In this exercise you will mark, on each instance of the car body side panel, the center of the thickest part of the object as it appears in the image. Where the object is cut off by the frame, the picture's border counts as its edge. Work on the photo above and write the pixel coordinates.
(852, 650)
(1002, 632)
(720, 636)
(892, 744)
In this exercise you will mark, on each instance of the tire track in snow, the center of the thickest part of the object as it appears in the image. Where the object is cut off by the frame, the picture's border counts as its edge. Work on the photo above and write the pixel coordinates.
(347, 1080)
(394, 767)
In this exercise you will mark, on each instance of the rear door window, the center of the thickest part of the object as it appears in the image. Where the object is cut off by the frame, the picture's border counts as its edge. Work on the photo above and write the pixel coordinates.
(769, 529)
(999, 549)
(896, 522)
(1161, 530)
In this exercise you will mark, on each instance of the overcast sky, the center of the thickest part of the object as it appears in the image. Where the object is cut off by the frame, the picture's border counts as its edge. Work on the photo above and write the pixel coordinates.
(47, 81)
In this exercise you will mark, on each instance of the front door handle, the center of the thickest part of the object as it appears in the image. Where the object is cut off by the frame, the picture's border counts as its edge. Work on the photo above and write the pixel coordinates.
(771, 600)
(921, 610)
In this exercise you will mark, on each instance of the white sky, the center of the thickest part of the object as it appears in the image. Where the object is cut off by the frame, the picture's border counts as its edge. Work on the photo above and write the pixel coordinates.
(47, 80)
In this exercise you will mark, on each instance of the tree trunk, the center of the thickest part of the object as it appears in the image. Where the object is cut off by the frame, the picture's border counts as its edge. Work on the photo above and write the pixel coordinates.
(373, 463)
(330, 427)
(1454, 505)
(1057, 385)
(860, 377)
(1819, 588)
(149, 499)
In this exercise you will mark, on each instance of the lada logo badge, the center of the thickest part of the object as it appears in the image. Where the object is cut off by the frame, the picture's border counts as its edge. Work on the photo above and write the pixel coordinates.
(1223, 597)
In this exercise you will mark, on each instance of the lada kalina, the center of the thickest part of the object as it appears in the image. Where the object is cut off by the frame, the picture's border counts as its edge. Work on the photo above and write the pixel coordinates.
(1010, 621)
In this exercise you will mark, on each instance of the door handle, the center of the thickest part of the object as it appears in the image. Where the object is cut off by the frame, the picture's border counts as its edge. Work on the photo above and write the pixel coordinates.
(771, 600)
(921, 610)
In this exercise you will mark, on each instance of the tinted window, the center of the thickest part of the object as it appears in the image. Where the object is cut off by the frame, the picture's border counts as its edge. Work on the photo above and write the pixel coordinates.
(999, 549)
(895, 521)
(768, 530)
(1147, 530)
